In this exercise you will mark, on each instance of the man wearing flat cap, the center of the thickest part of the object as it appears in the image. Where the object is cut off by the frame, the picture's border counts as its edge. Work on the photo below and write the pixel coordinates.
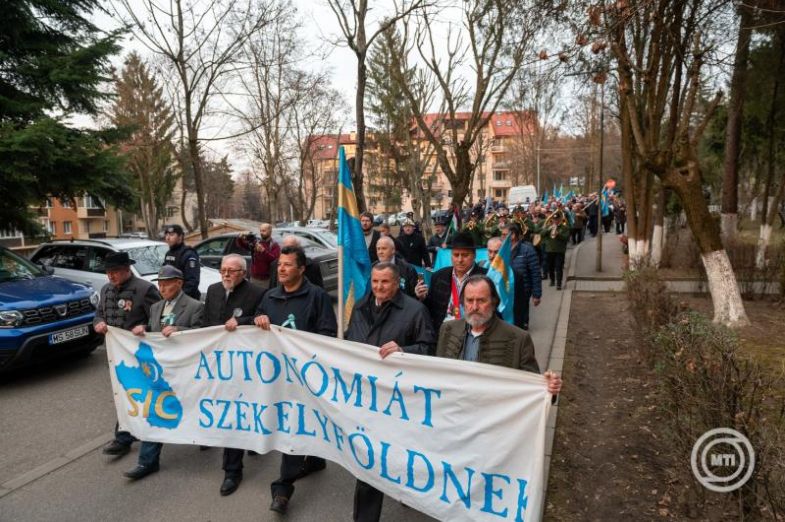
(442, 299)
(183, 258)
(125, 303)
(175, 312)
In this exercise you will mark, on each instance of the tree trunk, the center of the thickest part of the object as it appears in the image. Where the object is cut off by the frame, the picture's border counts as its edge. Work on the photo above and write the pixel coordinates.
(357, 172)
(461, 181)
(724, 289)
(658, 235)
(730, 180)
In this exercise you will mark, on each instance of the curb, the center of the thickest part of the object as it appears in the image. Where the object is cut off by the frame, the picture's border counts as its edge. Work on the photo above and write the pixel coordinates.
(555, 363)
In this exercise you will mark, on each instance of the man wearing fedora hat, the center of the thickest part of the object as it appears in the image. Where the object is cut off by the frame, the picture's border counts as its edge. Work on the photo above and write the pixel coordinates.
(176, 311)
(125, 303)
(442, 298)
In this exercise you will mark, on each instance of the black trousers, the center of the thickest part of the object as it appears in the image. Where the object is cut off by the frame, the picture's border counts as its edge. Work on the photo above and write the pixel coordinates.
(123, 437)
(620, 226)
(555, 266)
(367, 502)
(233, 462)
(294, 467)
(577, 235)
(520, 310)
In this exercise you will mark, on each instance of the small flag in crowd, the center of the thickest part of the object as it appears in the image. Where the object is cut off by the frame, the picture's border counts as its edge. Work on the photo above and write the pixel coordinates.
(355, 264)
(500, 272)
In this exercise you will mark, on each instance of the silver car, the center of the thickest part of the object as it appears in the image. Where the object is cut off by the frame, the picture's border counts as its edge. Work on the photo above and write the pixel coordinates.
(82, 260)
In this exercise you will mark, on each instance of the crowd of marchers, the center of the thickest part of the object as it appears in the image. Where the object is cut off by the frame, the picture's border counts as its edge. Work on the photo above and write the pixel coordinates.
(454, 315)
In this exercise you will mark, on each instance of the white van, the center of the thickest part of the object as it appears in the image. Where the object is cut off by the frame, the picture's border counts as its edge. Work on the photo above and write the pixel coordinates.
(522, 195)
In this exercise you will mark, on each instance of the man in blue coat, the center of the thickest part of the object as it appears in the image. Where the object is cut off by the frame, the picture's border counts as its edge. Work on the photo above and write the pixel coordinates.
(528, 283)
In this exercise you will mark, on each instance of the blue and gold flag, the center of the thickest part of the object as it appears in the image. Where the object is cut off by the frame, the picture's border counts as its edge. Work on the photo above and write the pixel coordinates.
(356, 263)
(502, 276)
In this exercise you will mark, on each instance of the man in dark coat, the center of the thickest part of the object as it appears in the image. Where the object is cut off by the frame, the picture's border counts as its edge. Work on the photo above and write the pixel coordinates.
(299, 305)
(440, 239)
(183, 258)
(125, 303)
(412, 245)
(385, 248)
(528, 283)
(441, 299)
(231, 303)
(387, 318)
(371, 236)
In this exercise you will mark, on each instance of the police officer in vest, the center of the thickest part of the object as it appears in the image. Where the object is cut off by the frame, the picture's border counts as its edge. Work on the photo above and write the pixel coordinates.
(183, 258)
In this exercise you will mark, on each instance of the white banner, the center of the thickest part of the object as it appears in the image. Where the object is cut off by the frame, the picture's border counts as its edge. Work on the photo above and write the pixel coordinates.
(456, 440)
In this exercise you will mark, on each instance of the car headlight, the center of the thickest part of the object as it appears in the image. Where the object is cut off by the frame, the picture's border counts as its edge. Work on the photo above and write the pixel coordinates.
(11, 319)
(95, 298)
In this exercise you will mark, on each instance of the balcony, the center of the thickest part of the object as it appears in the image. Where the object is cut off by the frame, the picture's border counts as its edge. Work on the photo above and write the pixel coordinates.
(91, 213)
(502, 165)
(496, 149)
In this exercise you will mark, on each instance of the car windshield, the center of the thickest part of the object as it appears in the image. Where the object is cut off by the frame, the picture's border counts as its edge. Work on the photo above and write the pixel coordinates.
(148, 258)
(14, 268)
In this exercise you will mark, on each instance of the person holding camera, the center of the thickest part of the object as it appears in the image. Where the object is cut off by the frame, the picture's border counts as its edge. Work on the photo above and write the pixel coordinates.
(264, 250)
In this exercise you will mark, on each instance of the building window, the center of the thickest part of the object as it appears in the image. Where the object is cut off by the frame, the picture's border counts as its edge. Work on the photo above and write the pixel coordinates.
(499, 193)
(85, 226)
(67, 227)
(51, 227)
(92, 202)
(449, 193)
(499, 176)
(106, 225)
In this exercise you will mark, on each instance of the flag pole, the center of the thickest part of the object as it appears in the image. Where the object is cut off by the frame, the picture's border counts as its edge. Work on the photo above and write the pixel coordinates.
(340, 256)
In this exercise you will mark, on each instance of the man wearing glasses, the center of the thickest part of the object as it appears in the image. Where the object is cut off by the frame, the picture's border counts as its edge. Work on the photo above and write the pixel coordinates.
(232, 303)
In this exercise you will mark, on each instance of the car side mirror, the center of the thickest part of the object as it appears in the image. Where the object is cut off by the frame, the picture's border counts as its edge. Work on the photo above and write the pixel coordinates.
(46, 268)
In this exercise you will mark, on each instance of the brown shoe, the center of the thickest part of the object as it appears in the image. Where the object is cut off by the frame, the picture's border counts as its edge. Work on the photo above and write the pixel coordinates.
(279, 504)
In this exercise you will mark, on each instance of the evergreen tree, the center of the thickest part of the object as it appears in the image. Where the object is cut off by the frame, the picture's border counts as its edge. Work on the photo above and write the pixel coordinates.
(53, 64)
(150, 152)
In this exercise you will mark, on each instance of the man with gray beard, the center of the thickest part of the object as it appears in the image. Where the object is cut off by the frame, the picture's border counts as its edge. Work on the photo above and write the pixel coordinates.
(482, 337)
(232, 303)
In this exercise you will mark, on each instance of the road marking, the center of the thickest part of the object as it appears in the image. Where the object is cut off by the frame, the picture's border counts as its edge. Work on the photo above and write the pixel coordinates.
(53, 465)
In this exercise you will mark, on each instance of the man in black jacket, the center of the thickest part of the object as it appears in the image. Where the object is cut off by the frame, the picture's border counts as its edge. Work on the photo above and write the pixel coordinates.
(183, 258)
(231, 303)
(394, 322)
(125, 303)
(299, 305)
(442, 299)
(412, 245)
(440, 238)
(385, 248)
(371, 235)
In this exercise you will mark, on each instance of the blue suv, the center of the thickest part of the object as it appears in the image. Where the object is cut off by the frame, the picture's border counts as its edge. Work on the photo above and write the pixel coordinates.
(42, 316)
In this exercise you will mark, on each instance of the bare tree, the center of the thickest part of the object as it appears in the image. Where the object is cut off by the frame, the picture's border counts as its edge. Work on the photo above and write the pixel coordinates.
(200, 41)
(730, 180)
(498, 36)
(660, 47)
(352, 18)
(311, 116)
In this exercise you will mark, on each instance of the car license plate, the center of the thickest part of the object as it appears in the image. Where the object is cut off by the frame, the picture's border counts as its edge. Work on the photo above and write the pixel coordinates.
(68, 335)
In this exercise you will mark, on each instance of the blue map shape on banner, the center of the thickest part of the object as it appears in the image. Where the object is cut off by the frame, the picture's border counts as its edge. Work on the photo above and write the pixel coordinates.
(145, 384)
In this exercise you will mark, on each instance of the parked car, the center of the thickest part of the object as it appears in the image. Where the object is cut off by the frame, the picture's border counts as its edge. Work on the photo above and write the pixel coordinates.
(317, 223)
(83, 260)
(379, 219)
(396, 219)
(42, 316)
(320, 236)
(212, 250)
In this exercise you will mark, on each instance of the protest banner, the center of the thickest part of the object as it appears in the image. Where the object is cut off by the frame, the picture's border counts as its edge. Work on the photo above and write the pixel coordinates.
(456, 440)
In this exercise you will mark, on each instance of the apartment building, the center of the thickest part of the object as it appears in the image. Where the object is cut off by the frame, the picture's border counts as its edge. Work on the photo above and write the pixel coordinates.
(504, 153)
(81, 218)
